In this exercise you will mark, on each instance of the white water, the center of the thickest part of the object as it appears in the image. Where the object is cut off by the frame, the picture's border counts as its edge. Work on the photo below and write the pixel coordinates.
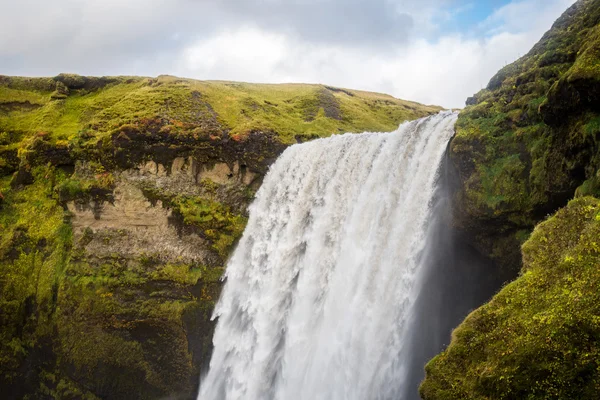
(318, 295)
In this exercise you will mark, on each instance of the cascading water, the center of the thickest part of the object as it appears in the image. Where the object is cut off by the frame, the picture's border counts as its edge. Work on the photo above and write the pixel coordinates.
(321, 289)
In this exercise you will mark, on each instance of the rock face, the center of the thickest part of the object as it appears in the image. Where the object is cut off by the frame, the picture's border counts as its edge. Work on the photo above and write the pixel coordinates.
(525, 146)
(538, 338)
(528, 141)
(126, 267)
(121, 199)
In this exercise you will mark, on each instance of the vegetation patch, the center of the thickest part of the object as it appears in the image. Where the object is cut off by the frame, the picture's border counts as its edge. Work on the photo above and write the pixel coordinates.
(217, 222)
(539, 337)
(71, 105)
(80, 316)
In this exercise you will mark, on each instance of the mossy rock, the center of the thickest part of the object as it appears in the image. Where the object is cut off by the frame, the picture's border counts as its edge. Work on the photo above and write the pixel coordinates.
(530, 139)
(539, 338)
(524, 147)
(86, 325)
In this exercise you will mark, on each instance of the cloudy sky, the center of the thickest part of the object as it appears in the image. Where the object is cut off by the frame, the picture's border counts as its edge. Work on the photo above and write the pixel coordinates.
(432, 51)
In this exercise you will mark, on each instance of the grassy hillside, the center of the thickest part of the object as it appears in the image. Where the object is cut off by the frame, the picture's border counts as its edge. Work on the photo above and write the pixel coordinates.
(68, 105)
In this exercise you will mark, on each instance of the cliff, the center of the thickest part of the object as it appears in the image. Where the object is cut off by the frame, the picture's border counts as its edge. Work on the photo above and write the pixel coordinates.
(528, 142)
(524, 147)
(120, 200)
(538, 338)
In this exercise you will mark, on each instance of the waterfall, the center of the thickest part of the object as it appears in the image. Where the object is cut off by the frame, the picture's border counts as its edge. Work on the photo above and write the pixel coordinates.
(320, 292)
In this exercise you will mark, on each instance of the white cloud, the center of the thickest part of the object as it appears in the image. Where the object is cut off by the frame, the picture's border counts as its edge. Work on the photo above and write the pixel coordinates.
(247, 51)
(28, 25)
(443, 72)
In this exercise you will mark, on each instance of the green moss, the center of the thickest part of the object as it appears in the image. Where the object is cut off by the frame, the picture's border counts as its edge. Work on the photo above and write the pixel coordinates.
(502, 182)
(34, 252)
(93, 179)
(539, 337)
(181, 273)
(587, 65)
(217, 222)
(529, 139)
(590, 187)
(592, 127)
(131, 311)
(522, 236)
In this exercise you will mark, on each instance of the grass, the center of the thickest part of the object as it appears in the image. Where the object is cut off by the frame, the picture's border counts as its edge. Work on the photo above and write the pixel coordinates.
(237, 108)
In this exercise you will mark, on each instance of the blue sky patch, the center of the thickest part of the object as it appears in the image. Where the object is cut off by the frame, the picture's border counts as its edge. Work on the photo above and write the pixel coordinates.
(467, 16)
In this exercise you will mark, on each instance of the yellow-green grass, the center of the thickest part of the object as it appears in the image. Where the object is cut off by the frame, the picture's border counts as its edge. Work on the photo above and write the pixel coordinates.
(288, 110)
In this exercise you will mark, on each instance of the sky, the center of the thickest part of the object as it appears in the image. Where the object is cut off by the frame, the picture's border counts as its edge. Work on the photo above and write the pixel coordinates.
(430, 51)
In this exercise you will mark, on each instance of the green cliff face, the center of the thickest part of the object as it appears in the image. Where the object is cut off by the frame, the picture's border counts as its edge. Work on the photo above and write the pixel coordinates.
(528, 141)
(539, 337)
(525, 146)
(120, 201)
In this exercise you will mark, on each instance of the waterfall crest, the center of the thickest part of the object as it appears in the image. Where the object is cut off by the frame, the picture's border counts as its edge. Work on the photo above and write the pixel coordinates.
(320, 290)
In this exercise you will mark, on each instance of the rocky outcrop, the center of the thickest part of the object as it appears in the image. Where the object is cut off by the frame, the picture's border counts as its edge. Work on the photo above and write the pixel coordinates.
(127, 265)
(524, 147)
(538, 338)
(527, 142)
